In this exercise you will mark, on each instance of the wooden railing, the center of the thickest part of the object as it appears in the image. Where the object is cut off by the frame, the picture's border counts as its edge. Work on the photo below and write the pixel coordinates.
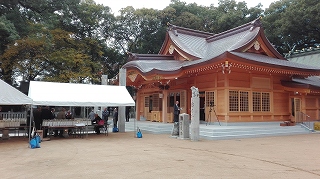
(304, 119)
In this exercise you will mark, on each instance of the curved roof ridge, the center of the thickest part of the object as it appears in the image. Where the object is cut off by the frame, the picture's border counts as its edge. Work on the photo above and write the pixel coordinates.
(247, 38)
(135, 56)
(248, 26)
(184, 30)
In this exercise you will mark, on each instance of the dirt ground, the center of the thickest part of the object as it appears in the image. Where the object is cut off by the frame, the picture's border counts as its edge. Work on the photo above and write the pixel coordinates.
(121, 155)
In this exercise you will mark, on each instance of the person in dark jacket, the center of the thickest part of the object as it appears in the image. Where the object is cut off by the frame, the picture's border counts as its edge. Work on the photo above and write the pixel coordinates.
(37, 118)
(45, 115)
(28, 123)
(53, 115)
(127, 113)
(105, 114)
(176, 112)
(115, 118)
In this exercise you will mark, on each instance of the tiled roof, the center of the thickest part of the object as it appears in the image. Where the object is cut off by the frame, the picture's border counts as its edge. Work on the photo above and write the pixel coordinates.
(172, 66)
(195, 46)
(273, 61)
(207, 47)
(309, 58)
(146, 66)
(312, 80)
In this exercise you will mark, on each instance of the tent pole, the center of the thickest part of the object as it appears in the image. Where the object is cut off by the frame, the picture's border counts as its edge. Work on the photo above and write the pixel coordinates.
(134, 127)
(31, 116)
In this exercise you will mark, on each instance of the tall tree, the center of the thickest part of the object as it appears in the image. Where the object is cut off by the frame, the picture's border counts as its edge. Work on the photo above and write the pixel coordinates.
(293, 24)
(50, 55)
(228, 14)
(8, 33)
(91, 24)
(138, 31)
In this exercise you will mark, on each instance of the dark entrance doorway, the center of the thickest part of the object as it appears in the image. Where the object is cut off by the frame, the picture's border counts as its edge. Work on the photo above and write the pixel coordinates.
(202, 106)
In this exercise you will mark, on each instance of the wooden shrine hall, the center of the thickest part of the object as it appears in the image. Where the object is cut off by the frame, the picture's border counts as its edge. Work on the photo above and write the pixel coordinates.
(240, 76)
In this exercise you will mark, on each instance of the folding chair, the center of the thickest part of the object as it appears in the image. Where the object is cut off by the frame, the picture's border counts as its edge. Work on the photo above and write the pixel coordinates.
(104, 128)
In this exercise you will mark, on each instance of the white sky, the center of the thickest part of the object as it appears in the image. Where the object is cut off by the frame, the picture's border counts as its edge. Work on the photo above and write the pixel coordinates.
(116, 5)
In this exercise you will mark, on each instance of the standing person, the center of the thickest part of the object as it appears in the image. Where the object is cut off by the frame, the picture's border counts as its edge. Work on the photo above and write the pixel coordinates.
(127, 113)
(37, 118)
(176, 112)
(0, 114)
(53, 115)
(61, 115)
(105, 115)
(45, 114)
(115, 118)
(69, 115)
(28, 122)
(91, 115)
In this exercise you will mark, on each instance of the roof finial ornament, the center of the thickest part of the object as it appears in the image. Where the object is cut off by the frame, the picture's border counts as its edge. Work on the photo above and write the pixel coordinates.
(257, 22)
(132, 56)
(170, 26)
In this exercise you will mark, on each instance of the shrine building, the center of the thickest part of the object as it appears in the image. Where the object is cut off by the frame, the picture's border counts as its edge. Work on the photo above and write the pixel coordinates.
(240, 76)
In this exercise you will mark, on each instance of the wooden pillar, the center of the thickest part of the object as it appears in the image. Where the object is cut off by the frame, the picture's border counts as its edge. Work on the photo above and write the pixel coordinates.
(164, 106)
(138, 106)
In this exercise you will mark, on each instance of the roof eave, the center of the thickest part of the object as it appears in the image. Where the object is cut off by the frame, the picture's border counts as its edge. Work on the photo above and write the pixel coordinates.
(312, 72)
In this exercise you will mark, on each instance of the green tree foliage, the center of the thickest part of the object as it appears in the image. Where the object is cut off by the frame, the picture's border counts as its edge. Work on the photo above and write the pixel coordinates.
(293, 24)
(113, 61)
(76, 49)
(138, 31)
(232, 14)
(8, 33)
(69, 60)
(227, 15)
(51, 55)
(59, 40)
(188, 15)
(29, 54)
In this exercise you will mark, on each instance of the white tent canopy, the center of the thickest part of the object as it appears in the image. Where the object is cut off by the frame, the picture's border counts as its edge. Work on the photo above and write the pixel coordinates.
(72, 94)
(11, 96)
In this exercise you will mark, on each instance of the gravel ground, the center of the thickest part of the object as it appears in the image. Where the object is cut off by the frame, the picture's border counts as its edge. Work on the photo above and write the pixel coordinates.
(121, 155)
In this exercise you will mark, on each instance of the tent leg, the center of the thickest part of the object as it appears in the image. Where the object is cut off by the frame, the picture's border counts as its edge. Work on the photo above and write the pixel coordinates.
(31, 117)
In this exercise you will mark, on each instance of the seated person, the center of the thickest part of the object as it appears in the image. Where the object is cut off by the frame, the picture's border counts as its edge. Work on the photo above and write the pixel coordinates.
(98, 122)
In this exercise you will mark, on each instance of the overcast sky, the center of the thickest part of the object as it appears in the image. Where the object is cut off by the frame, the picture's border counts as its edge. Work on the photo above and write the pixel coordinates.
(116, 5)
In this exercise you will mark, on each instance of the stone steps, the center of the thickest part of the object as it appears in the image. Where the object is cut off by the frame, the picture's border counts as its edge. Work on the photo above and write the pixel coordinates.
(216, 132)
(251, 132)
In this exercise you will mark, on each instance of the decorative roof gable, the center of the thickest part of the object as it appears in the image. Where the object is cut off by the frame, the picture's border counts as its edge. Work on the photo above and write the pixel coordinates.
(195, 45)
(185, 50)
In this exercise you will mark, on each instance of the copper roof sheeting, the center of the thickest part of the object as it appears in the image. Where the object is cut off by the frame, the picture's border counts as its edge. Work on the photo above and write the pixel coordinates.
(207, 48)
(274, 61)
(312, 80)
(308, 57)
(173, 66)
(311, 83)
(161, 66)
